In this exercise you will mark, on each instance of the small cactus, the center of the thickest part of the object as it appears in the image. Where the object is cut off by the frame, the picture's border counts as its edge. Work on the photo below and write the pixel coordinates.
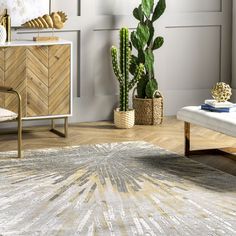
(121, 69)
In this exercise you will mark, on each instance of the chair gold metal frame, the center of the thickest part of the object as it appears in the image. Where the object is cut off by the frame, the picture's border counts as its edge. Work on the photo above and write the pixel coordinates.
(10, 90)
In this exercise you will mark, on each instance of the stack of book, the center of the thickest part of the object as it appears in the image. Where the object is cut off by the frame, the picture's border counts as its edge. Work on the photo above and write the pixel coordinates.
(213, 105)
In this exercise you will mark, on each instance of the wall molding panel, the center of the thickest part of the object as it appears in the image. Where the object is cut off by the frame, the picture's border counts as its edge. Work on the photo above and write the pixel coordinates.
(195, 6)
(187, 44)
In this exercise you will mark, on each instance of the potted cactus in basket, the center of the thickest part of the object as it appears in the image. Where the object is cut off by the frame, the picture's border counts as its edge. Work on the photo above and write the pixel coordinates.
(123, 116)
(148, 103)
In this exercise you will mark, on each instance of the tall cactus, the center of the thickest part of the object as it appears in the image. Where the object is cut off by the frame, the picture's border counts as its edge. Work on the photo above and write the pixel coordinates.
(121, 69)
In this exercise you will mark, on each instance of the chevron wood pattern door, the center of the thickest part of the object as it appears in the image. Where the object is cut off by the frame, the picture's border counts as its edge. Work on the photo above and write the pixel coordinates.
(59, 79)
(41, 74)
(2, 102)
(37, 81)
(15, 76)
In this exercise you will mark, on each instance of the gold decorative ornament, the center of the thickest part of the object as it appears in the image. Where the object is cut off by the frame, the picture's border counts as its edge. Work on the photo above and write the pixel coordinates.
(5, 20)
(221, 92)
(54, 20)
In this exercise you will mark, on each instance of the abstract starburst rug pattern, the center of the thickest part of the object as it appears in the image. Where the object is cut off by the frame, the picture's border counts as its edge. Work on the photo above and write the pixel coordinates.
(131, 188)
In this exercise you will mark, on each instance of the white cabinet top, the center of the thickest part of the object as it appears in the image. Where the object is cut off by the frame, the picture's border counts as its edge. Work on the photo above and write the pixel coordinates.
(33, 43)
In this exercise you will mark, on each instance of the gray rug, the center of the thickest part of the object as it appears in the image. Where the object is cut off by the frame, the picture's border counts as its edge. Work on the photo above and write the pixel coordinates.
(131, 188)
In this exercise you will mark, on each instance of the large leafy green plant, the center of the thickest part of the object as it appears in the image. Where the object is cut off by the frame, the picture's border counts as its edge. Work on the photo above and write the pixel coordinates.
(145, 41)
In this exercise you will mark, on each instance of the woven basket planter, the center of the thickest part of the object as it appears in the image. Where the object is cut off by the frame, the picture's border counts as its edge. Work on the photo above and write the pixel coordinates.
(148, 111)
(124, 119)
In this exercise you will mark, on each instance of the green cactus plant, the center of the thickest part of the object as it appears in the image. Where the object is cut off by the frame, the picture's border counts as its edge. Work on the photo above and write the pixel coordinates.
(121, 69)
(144, 41)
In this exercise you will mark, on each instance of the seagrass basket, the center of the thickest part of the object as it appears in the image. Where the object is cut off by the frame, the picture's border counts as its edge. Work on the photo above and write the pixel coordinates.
(148, 111)
(124, 119)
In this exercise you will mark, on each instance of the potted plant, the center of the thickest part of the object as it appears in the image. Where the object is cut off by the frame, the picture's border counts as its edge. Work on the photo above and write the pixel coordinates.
(123, 116)
(148, 103)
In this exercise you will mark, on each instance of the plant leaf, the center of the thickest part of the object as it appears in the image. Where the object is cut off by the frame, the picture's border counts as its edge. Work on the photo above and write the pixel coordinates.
(149, 61)
(133, 64)
(158, 42)
(137, 76)
(159, 10)
(147, 7)
(141, 56)
(134, 40)
(141, 87)
(151, 31)
(138, 13)
(142, 34)
(151, 87)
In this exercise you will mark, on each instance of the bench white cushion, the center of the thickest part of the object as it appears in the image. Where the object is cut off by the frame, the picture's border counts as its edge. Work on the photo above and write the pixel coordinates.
(7, 115)
(221, 122)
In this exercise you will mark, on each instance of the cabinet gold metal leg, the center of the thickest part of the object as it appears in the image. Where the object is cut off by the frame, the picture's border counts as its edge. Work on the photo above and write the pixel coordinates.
(57, 132)
(53, 124)
(66, 127)
(19, 129)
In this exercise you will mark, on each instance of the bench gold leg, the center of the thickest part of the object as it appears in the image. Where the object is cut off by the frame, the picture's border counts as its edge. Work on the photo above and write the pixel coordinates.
(187, 138)
(227, 152)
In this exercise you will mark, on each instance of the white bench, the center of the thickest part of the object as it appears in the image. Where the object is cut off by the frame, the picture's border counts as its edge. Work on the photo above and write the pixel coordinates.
(221, 122)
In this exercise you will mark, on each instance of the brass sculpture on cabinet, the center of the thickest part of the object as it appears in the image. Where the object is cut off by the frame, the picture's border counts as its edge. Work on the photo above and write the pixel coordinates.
(56, 20)
(5, 20)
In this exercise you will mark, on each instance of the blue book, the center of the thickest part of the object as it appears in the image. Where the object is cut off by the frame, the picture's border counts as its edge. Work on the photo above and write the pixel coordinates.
(207, 107)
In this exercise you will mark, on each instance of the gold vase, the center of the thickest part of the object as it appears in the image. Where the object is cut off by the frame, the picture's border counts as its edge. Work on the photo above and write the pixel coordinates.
(8, 25)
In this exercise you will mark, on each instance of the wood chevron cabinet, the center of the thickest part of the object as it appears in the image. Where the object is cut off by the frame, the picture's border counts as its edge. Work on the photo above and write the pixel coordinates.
(41, 73)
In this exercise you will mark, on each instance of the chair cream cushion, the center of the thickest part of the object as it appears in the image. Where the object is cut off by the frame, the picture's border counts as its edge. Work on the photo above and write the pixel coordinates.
(221, 122)
(7, 115)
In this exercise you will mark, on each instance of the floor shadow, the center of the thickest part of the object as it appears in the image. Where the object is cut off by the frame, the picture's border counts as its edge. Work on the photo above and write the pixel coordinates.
(172, 166)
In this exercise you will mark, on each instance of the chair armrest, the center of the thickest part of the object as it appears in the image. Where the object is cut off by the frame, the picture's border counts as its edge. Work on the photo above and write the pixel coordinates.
(10, 90)
(5, 89)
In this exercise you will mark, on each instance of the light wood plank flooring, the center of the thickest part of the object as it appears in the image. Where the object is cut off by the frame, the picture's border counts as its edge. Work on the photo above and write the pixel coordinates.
(169, 135)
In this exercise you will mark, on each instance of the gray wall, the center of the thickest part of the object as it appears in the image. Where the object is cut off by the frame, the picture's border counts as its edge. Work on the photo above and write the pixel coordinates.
(196, 54)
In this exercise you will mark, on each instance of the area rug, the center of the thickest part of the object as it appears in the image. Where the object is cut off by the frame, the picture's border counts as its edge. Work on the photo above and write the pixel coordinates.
(131, 188)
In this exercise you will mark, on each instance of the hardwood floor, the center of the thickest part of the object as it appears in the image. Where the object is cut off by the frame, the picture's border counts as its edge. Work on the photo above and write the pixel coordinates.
(169, 135)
